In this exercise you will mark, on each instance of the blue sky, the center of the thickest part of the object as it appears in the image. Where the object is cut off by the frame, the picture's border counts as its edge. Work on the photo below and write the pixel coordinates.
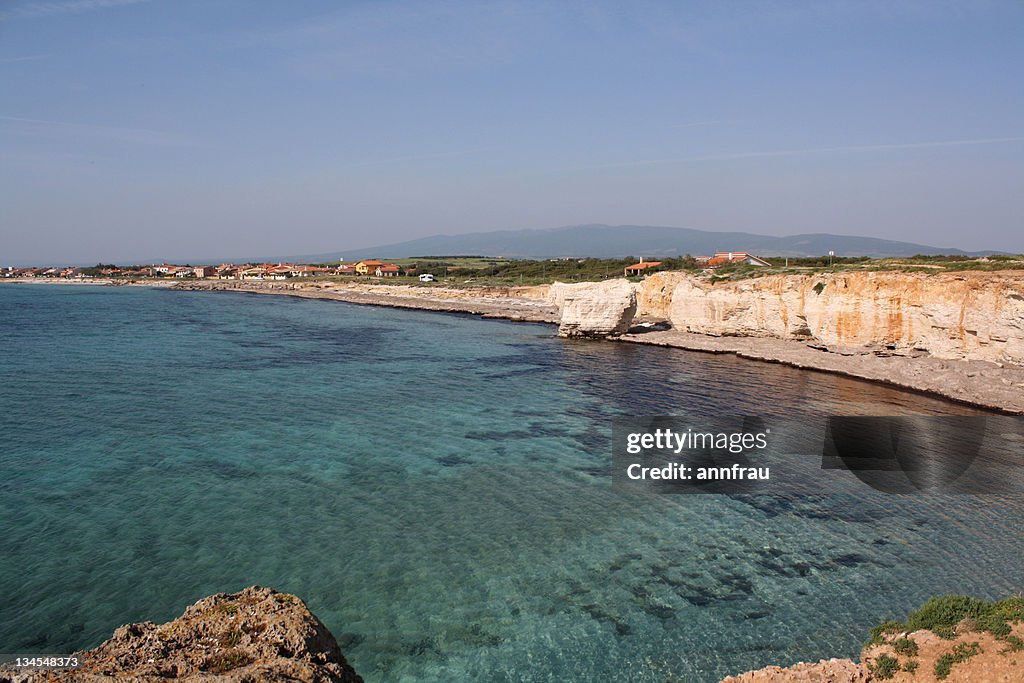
(174, 129)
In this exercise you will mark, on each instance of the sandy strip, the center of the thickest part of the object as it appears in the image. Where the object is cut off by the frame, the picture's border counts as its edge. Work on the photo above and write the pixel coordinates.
(447, 300)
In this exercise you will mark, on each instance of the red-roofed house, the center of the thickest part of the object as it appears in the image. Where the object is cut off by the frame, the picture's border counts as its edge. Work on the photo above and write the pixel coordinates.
(641, 268)
(386, 270)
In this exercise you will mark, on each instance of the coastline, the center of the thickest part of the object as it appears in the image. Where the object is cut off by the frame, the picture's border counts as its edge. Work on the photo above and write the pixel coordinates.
(507, 303)
(976, 383)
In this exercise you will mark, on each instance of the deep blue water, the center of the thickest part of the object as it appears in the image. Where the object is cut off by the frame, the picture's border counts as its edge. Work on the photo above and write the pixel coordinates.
(436, 488)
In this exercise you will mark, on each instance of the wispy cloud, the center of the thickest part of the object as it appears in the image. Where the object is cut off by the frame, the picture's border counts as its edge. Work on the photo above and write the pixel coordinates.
(807, 150)
(26, 58)
(420, 157)
(120, 133)
(692, 124)
(45, 9)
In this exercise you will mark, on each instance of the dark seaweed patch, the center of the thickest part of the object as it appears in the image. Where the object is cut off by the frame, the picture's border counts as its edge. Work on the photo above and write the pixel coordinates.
(599, 614)
(851, 559)
(453, 460)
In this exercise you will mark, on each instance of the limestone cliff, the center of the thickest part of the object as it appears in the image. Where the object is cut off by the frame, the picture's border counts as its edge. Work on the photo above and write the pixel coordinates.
(965, 315)
(255, 635)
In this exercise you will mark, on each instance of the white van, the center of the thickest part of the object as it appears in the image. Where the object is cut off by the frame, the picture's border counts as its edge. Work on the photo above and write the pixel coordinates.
(426, 277)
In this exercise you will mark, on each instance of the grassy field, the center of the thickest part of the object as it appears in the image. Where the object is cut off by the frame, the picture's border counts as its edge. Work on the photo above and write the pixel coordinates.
(483, 271)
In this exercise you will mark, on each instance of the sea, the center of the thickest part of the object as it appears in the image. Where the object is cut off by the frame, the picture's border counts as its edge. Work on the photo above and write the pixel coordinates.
(437, 488)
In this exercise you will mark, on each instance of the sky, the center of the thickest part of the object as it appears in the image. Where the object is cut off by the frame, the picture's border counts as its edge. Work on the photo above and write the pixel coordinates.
(152, 130)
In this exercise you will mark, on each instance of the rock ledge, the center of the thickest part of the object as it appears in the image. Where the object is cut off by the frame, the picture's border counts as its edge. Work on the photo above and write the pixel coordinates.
(255, 635)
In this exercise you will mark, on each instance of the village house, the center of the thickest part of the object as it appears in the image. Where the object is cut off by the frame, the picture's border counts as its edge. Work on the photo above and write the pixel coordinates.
(345, 269)
(252, 273)
(195, 271)
(309, 271)
(387, 270)
(368, 267)
(281, 271)
(226, 271)
(641, 268)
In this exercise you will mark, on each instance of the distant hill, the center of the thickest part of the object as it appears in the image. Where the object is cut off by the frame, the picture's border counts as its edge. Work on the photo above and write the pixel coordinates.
(613, 241)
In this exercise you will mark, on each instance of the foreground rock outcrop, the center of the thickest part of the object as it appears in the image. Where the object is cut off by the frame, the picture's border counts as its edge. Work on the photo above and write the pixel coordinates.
(825, 671)
(981, 658)
(255, 635)
(949, 638)
(594, 309)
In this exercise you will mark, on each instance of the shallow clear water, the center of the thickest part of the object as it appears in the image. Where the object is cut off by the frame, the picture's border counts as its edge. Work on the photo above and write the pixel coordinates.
(436, 488)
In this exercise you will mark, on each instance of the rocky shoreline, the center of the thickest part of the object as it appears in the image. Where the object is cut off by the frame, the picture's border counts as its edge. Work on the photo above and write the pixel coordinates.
(603, 307)
(654, 312)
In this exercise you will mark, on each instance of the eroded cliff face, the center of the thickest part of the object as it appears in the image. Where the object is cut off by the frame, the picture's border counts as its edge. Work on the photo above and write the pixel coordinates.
(969, 315)
(594, 309)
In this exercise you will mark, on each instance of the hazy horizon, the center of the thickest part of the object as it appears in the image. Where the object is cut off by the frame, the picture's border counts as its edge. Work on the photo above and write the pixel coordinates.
(141, 130)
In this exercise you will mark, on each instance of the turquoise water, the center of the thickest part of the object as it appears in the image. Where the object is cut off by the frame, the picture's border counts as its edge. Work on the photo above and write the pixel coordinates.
(436, 488)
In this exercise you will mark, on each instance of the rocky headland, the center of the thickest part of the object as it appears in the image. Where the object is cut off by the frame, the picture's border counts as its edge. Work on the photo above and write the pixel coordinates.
(255, 635)
(949, 638)
(956, 335)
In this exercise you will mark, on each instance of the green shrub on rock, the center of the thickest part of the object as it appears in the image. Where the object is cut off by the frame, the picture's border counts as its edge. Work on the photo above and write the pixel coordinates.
(905, 647)
(884, 667)
(879, 632)
(961, 653)
(946, 611)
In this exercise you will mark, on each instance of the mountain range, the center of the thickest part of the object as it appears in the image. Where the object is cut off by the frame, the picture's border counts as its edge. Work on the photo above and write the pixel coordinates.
(616, 241)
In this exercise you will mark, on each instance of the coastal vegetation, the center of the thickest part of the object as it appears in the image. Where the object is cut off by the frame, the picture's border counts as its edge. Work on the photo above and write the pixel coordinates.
(947, 614)
(952, 618)
(480, 271)
(485, 271)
